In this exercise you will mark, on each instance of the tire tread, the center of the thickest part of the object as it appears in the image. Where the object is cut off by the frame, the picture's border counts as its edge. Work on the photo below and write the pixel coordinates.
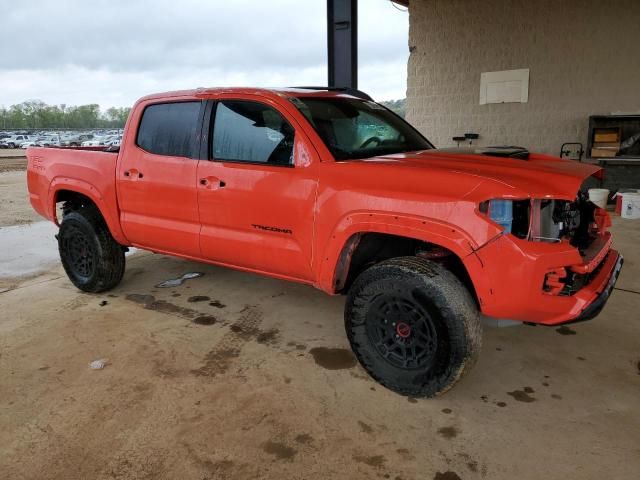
(111, 259)
(457, 303)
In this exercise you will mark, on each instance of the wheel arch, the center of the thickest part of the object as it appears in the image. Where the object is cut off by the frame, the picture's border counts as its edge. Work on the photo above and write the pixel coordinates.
(83, 192)
(336, 271)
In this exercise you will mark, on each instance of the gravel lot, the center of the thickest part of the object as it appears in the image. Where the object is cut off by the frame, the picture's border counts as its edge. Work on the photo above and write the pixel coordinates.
(12, 160)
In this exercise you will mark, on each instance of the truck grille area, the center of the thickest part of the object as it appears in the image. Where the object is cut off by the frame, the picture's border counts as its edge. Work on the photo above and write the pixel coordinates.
(574, 282)
(553, 221)
(576, 220)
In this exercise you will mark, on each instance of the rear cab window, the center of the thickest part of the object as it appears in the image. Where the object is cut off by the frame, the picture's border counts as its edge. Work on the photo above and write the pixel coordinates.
(169, 129)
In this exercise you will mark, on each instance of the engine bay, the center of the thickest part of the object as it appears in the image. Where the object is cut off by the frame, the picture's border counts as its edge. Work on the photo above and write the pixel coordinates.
(556, 220)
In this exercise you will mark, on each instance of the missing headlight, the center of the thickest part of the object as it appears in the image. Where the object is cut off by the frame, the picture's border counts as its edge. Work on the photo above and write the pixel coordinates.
(555, 220)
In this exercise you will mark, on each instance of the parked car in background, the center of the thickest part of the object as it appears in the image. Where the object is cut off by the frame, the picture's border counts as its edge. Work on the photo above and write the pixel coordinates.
(59, 138)
(98, 141)
(76, 140)
(114, 142)
(14, 141)
(94, 142)
(52, 141)
(36, 142)
(71, 141)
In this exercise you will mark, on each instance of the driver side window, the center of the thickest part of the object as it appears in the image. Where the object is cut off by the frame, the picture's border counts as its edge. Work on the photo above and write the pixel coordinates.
(251, 132)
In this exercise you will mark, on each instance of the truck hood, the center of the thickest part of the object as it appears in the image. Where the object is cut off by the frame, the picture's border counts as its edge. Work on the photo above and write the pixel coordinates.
(537, 176)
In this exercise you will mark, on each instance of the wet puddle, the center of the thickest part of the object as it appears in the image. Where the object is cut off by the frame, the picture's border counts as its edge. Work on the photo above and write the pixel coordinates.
(198, 298)
(523, 395)
(149, 302)
(448, 432)
(279, 450)
(205, 320)
(28, 249)
(333, 358)
(564, 330)
(448, 475)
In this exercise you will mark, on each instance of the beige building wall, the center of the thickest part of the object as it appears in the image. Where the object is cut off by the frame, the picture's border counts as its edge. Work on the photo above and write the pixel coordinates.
(583, 56)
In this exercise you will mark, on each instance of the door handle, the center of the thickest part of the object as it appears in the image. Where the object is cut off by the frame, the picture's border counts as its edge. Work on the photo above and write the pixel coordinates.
(212, 183)
(133, 173)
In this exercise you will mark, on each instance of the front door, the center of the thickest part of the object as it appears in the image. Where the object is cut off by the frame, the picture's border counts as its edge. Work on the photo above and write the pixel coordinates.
(157, 180)
(256, 201)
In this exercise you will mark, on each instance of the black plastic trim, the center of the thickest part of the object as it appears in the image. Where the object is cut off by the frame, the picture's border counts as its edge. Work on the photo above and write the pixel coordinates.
(206, 129)
(354, 92)
(243, 162)
(594, 308)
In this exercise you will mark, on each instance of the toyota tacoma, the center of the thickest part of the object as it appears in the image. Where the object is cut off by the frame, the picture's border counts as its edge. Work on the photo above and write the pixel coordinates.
(328, 188)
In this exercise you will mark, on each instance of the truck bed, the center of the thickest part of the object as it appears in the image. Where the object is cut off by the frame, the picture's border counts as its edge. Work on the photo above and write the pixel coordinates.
(88, 170)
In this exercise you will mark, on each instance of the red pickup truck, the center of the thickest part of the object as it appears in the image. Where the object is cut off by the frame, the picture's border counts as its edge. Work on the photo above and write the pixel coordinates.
(328, 188)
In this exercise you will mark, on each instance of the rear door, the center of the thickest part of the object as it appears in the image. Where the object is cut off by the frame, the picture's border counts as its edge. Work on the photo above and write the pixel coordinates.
(156, 179)
(257, 190)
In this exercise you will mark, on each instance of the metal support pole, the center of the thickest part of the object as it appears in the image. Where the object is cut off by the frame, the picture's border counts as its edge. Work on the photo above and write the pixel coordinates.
(342, 43)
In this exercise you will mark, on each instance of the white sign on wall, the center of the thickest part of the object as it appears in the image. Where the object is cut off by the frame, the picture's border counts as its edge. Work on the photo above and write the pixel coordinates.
(507, 86)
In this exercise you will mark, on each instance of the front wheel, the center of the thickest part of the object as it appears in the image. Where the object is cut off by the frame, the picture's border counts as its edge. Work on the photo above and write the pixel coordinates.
(413, 326)
(93, 260)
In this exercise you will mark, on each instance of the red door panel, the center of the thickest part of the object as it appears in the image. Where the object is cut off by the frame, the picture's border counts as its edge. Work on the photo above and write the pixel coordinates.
(159, 202)
(257, 216)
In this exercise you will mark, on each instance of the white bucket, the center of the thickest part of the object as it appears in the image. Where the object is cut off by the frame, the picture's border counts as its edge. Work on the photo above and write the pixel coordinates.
(599, 196)
(630, 205)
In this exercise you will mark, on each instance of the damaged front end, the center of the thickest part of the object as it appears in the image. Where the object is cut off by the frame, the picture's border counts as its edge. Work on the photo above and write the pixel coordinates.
(553, 260)
(579, 222)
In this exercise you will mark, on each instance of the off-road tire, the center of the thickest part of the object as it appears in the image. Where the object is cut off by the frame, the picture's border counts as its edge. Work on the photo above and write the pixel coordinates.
(93, 260)
(427, 303)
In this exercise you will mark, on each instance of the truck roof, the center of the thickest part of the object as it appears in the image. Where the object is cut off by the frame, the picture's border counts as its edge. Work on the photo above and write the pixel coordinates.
(281, 91)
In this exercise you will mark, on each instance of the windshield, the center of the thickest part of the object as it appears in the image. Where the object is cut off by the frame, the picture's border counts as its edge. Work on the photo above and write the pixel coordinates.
(353, 128)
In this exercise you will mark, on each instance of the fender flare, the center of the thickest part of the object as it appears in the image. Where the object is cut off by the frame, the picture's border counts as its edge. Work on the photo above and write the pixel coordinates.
(420, 228)
(88, 190)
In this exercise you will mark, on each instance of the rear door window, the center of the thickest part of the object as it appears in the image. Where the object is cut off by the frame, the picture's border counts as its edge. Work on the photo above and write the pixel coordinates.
(251, 132)
(169, 129)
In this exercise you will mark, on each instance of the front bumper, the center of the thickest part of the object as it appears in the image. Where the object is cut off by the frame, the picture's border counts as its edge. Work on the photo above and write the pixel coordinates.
(509, 276)
(595, 307)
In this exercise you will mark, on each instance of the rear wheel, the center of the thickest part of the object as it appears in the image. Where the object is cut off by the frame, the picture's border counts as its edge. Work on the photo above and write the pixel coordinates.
(93, 260)
(413, 326)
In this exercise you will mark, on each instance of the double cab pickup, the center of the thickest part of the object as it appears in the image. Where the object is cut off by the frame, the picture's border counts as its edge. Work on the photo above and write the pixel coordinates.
(329, 188)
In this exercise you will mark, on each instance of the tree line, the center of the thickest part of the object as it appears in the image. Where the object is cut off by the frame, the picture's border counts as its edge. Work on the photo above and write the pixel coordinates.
(398, 106)
(37, 114)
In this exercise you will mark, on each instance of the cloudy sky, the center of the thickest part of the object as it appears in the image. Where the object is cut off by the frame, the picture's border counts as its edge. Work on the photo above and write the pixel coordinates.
(113, 51)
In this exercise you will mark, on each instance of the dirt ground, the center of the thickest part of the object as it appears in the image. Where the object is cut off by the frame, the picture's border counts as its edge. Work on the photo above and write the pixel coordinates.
(234, 376)
(14, 199)
(12, 160)
(16, 209)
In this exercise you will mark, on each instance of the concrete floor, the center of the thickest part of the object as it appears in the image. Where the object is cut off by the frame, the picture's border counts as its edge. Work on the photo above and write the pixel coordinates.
(234, 376)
